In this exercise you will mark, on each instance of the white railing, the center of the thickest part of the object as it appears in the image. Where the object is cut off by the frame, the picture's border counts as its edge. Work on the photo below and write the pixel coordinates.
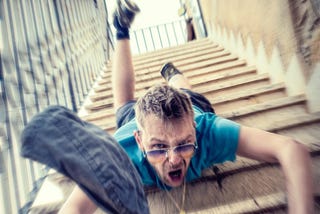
(159, 36)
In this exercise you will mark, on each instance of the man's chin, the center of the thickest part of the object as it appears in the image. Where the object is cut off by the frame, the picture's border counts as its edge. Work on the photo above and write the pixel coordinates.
(175, 184)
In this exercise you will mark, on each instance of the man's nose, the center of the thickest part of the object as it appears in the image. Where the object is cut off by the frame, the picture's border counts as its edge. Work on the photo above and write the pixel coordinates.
(174, 158)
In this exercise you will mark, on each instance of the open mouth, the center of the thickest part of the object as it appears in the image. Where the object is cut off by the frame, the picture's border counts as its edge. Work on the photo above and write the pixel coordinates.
(175, 175)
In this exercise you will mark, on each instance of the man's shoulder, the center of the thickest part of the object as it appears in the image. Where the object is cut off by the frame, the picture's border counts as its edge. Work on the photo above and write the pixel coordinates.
(217, 139)
(210, 121)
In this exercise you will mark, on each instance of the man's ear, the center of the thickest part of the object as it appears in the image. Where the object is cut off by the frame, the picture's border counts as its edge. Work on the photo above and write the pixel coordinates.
(137, 136)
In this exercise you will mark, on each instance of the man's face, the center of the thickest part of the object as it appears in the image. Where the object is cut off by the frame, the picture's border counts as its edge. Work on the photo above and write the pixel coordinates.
(156, 135)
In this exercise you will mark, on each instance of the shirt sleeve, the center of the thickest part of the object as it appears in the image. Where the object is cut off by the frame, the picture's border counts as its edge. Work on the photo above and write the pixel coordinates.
(217, 139)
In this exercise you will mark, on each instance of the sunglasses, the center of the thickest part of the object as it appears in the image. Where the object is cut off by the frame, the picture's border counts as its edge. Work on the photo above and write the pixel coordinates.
(159, 155)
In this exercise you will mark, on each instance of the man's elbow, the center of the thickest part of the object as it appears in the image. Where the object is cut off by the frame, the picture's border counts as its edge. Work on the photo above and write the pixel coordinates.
(293, 150)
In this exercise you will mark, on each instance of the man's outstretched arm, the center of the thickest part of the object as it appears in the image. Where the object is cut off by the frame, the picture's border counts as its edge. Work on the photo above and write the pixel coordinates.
(294, 159)
(78, 203)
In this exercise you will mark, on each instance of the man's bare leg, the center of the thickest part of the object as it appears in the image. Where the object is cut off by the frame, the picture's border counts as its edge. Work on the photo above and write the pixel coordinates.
(123, 82)
(179, 81)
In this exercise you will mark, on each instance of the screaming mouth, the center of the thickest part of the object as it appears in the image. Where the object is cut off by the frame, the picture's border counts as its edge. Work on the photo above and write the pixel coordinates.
(175, 174)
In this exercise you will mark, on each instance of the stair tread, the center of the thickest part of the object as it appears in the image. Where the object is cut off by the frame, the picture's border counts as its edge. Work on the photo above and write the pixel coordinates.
(213, 76)
(228, 84)
(280, 102)
(295, 120)
(248, 205)
(104, 113)
(246, 93)
(179, 48)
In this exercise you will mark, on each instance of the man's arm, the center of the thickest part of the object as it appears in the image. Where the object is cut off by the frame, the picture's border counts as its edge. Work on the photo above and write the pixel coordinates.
(78, 203)
(294, 159)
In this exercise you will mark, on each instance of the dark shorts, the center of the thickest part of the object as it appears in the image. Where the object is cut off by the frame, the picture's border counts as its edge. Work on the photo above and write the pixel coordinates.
(126, 112)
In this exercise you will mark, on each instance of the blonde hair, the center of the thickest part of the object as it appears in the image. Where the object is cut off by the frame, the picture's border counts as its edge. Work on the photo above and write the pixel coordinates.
(165, 102)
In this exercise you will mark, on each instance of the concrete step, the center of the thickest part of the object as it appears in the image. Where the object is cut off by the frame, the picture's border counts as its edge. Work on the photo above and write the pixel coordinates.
(251, 205)
(277, 103)
(245, 98)
(154, 72)
(181, 49)
(273, 203)
(199, 72)
(202, 56)
(98, 105)
(208, 91)
(234, 85)
(167, 53)
(104, 91)
(205, 59)
(175, 57)
(217, 76)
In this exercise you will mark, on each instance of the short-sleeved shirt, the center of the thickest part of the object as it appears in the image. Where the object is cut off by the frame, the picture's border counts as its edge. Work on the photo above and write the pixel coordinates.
(217, 140)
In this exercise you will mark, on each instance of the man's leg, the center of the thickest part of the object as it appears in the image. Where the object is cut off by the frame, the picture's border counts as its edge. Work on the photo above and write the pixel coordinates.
(123, 82)
(174, 77)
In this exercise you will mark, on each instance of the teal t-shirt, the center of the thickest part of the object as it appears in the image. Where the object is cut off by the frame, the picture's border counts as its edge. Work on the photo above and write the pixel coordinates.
(217, 140)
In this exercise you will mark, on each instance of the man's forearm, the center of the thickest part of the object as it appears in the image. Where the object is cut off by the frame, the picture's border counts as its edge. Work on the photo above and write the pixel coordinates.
(296, 163)
(78, 203)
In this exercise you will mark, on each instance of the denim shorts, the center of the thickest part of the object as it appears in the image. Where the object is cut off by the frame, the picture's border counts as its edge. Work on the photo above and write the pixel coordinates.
(126, 112)
(88, 155)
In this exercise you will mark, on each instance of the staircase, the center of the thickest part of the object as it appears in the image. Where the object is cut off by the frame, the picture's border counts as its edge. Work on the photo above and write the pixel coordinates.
(237, 92)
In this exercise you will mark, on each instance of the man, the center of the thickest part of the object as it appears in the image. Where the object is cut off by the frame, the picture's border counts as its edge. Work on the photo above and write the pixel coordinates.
(171, 133)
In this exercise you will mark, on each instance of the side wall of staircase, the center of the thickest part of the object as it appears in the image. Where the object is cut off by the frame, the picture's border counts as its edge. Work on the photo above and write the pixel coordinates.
(282, 38)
